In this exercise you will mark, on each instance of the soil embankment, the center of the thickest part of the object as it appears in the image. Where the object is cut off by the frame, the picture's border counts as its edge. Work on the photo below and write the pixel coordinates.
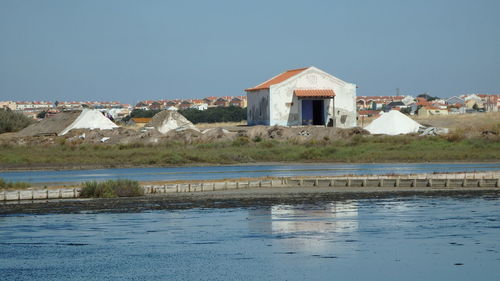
(233, 199)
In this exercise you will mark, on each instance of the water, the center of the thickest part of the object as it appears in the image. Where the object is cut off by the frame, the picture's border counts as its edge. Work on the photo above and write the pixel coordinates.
(417, 238)
(221, 172)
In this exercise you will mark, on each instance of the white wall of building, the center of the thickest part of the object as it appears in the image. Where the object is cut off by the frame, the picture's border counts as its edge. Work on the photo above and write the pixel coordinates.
(285, 107)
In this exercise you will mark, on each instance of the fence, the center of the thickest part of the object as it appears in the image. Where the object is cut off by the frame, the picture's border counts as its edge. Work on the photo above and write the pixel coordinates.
(482, 180)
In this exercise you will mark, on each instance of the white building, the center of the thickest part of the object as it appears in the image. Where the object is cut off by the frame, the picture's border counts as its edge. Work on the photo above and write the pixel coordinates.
(305, 96)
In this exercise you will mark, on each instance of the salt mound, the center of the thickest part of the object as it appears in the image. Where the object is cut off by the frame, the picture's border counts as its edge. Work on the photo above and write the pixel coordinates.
(168, 120)
(90, 119)
(393, 123)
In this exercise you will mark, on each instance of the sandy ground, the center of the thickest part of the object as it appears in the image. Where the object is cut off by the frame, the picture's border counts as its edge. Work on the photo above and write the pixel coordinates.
(452, 121)
(240, 198)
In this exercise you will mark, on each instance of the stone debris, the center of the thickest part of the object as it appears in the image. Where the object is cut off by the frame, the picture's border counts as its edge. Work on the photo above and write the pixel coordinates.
(168, 120)
(433, 131)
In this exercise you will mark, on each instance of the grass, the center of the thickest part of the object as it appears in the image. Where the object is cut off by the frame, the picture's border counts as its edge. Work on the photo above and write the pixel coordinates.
(111, 189)
(7, 184)
(357, 149)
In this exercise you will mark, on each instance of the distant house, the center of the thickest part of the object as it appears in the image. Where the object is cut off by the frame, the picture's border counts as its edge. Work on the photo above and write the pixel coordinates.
(173, 103)
(141, 105)
(455, 101)
(202, 106)
(238, 101)
(185, 104)
(394, 105)
(156, 105)
(427, 111)
(474, 101)
(209, 100)
(304, 96)
(221, 102)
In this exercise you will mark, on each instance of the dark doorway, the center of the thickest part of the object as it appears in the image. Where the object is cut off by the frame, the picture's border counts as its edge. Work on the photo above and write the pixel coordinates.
(313, 112)
(318, 112)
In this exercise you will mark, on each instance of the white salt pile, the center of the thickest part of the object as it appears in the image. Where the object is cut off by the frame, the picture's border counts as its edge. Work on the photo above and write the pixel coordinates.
(90, 119)
(393, 123)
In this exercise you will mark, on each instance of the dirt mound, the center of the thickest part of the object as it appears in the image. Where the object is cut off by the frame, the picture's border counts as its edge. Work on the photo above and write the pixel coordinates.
(52, 125)
(168, 120)
(217, 134)
(301, 134)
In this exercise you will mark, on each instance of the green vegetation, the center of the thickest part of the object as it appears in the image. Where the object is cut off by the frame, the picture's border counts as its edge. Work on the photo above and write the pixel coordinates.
(8, 184)
(11, 121)
(111, 188)
(211, 115)
(357, 149)
(215, 114)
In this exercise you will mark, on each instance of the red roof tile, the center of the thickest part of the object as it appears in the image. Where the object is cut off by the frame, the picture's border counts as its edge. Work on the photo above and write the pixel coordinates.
(277, 79)
(320, 93)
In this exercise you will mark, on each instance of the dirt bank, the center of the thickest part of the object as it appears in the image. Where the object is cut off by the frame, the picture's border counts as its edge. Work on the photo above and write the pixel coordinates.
(234, 199)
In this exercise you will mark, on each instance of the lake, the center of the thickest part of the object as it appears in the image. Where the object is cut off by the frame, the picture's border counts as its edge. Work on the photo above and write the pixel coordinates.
(237, 171)
(401, 238)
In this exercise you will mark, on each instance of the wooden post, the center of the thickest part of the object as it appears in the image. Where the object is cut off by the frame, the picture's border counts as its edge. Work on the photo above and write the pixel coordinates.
(332, 182)
(316, 182)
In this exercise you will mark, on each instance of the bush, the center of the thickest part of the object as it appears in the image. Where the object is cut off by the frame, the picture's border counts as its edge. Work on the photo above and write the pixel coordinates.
(111, 188)
(215, 114)
(7, 184)
(12, 121)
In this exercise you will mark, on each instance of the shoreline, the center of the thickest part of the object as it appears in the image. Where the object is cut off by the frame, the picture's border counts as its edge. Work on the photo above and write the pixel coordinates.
(242, 198)
(65, 167)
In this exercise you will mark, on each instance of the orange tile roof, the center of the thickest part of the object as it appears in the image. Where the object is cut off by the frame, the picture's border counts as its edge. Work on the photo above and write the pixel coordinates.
(320, 93)
(277, 79)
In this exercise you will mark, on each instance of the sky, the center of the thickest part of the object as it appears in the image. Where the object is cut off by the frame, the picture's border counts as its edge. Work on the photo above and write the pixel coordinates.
(129, 50)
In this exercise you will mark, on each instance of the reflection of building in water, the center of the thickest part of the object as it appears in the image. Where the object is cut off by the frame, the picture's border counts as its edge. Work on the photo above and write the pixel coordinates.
(308, 228)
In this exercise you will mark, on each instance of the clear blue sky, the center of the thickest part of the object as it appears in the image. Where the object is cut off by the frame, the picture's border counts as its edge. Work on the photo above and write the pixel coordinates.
(150, 49)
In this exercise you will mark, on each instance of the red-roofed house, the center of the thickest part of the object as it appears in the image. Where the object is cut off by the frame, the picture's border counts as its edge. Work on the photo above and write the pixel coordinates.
(304, 96)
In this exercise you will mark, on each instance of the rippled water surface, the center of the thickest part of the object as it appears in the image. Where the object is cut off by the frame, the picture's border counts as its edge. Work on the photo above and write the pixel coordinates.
(220, 172)
(381, 239)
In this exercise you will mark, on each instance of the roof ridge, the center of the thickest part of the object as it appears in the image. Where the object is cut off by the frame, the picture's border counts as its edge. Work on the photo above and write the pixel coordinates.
(279, 78)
